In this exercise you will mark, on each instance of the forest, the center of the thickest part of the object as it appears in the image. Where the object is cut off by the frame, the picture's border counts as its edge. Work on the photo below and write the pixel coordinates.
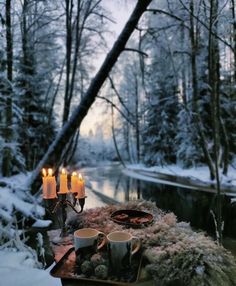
(165, 89)
(170, 93)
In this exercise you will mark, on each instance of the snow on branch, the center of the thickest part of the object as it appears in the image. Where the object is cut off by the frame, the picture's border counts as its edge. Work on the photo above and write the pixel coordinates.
(137, 51)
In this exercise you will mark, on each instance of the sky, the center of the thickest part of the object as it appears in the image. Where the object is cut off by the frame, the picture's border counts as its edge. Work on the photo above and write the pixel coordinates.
(120, 12)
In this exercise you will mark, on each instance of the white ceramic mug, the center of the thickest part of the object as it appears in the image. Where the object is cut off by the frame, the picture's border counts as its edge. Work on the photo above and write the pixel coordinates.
(86, 239)
(120, 249)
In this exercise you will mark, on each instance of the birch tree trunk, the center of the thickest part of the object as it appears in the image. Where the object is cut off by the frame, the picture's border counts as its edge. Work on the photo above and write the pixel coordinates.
(137, 127)
(214, 82)
(74, 122)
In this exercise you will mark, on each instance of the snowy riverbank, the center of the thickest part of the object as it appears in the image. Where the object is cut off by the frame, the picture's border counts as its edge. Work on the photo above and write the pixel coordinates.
(195, 178)
(13, 196)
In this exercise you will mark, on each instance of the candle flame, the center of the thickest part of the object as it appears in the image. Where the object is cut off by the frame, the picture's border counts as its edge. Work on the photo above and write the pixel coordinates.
(44, 172)
(49, 172)
(74, 174)
(80, 177)
(63, 171)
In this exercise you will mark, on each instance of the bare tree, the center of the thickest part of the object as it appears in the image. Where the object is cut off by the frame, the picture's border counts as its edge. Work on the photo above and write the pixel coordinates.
(196, 116)
(7, 134)
(77, 35)
(80, 27)
(214, 82)
(53, 154)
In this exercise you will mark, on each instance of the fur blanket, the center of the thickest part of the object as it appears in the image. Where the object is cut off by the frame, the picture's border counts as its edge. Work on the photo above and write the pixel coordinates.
(177, 255)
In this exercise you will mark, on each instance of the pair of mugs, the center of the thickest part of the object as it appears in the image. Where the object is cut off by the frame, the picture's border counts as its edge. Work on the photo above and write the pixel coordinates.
(119, 245)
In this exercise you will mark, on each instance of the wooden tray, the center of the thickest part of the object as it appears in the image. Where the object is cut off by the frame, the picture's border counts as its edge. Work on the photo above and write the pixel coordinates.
(66, 269)
(130, 218)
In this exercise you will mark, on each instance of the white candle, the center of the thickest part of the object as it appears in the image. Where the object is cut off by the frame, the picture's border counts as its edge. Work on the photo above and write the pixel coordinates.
(44, 172)
(81, 193)
(63, 182)
(74, 183)
(49, 185)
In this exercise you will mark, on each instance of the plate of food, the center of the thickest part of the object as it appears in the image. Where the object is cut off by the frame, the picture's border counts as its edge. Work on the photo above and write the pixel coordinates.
(132, 218)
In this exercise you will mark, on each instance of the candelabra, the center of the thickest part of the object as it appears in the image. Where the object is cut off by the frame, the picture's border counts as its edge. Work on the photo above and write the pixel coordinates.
(61, 202)
(55, 200)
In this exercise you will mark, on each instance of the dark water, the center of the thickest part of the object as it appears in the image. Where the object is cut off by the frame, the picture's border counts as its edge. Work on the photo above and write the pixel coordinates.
(189, 205)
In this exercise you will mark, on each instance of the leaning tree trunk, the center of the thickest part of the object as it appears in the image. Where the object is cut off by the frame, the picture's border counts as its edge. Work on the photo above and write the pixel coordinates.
(70, 127)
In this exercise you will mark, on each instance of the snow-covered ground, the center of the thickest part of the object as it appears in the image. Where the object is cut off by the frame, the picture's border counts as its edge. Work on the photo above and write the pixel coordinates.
(20, 269)
(18, 264)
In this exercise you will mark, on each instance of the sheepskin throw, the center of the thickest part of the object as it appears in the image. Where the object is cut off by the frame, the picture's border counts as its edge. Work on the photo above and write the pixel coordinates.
(177, 255)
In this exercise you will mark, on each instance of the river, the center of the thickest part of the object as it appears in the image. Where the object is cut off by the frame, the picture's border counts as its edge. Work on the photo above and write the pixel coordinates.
(190, 205)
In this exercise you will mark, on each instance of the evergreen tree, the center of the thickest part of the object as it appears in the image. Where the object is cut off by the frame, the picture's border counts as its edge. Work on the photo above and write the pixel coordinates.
(188, 151)
(17, 162)
(32, 84)
(161, 118)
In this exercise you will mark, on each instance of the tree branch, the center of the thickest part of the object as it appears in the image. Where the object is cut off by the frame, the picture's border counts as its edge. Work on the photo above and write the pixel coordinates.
(154, 11)
(63, 137)
(137, 51)
(114, 137)
(117, 108)
(205, 26)
(119, 97)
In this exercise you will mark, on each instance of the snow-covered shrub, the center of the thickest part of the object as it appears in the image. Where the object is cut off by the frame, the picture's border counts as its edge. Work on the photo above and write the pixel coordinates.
(189, 152)
(14, 240)
(18, 210)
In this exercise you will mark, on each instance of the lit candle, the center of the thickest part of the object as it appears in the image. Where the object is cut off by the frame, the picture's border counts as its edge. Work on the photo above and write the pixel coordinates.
(44, 172)
(49, 185)
(81, 192)
(74, 183)
(63, 182)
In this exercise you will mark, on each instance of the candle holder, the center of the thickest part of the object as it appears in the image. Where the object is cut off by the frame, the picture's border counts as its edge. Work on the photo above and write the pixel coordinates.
(52, 206)
(58, 200)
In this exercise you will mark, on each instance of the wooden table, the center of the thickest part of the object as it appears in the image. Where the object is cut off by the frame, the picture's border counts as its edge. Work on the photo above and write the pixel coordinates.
(61, 245)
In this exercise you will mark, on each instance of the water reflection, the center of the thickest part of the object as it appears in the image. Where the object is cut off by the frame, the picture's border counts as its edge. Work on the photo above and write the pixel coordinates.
(189, 205)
